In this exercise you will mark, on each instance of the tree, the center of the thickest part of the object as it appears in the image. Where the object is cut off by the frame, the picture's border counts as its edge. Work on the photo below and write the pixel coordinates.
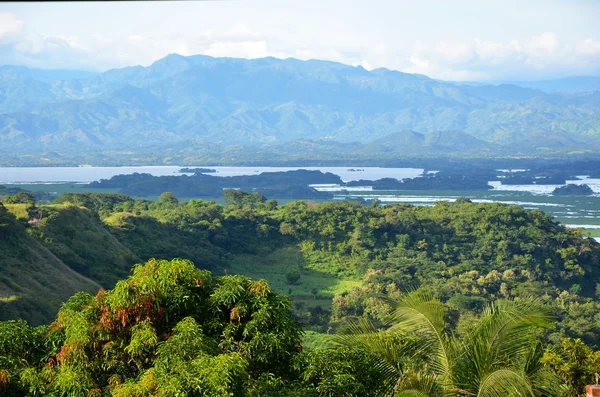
(169, 329)
(419, 356)
(574, 363)
(20, 198)
(314, 291)
(338, 372)
(168, 198)
(5, 217)
(292, 277)
(95, 202)
(240, 199)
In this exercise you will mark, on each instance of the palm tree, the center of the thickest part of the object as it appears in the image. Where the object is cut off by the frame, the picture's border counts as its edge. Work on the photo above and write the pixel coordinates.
(419, 356)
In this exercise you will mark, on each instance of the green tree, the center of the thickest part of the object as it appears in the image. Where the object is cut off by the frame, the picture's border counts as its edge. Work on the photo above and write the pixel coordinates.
(574, 363)
(240, 199)
(292, 277)
(6, 217)
(419, 356)
(168, 198)
(20, 198)
(169, 329)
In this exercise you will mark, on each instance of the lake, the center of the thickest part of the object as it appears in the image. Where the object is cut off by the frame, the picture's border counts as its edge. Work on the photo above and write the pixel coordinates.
(39, 175)
(581, 211)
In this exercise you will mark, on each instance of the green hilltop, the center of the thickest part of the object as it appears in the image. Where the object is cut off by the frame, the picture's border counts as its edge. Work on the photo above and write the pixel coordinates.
(388, 297)
(337, 260)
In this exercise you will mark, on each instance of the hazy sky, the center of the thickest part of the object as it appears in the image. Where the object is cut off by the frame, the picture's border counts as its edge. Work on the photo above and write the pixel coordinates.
(452, 40)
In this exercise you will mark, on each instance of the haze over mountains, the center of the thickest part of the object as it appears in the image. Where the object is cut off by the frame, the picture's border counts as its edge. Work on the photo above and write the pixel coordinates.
(187, 102)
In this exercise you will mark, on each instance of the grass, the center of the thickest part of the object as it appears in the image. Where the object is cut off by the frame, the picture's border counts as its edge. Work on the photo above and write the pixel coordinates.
(312, 340)
(34, 282)
(593, 232)
(274, 266)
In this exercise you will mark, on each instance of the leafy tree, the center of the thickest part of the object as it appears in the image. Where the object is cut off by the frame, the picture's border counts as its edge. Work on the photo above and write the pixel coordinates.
(292, 277)
(96, 202)
(239, 198)
(339, 372)
(6, 217)
(169, 329)
(20, 198)
(574, 363)
(168, 198)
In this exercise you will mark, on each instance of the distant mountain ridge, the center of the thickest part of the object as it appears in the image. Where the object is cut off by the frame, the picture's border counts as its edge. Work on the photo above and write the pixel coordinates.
(200, 100)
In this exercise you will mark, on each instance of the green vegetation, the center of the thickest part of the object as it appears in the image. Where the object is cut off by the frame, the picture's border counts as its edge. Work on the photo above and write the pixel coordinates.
(443, 180)
(172, 329)
(197, 170)
(16, 195)
(346, 267)
(497, 356)
(467, 254)
(289, 184)
(574, 363)
(33, 282)
(20, 198)
(169, 329)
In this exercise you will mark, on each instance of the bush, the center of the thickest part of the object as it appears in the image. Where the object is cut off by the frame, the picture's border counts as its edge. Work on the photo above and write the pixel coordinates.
(293, 277)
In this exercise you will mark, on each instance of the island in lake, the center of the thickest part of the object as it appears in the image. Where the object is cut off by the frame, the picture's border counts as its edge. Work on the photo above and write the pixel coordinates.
(197, 171)
(573, 190)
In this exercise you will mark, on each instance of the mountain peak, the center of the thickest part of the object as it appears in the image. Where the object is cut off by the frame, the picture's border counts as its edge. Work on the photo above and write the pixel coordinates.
(234, 101)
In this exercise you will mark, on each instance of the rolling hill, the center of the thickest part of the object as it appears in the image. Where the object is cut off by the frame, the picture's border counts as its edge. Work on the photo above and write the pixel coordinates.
(33, 281)
(199, 100)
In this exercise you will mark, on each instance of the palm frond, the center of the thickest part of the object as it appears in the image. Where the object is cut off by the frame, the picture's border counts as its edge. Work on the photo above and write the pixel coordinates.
(391, 350)
(412, 393)
(543, 381)
(423, 316)
(505, 333)
(415, 380)
(505, 382)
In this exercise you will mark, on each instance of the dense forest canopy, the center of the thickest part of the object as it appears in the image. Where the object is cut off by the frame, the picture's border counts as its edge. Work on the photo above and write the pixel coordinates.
(348, 268)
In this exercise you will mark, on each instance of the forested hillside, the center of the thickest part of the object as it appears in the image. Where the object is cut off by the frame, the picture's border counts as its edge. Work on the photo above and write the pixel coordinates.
(348, 268)
(337, 260)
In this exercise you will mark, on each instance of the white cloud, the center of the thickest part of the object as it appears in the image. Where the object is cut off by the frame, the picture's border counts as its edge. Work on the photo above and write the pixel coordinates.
(546, 42)
(540, 56)
(101, 52)
(9, 25)
(243, 49)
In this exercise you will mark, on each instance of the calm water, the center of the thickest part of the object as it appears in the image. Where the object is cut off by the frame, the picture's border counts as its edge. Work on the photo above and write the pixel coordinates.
(574, 211)
(28, 175)
(594, 184)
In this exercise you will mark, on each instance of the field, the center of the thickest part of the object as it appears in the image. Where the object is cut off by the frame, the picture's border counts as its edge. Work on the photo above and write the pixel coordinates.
(314, 288)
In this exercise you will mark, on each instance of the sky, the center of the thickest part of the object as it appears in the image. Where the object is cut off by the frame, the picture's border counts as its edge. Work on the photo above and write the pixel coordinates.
(460, 40)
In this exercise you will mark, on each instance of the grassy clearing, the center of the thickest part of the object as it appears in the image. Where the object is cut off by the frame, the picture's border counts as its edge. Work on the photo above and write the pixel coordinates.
(274, 266)
(312, 340)
(593, 232)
